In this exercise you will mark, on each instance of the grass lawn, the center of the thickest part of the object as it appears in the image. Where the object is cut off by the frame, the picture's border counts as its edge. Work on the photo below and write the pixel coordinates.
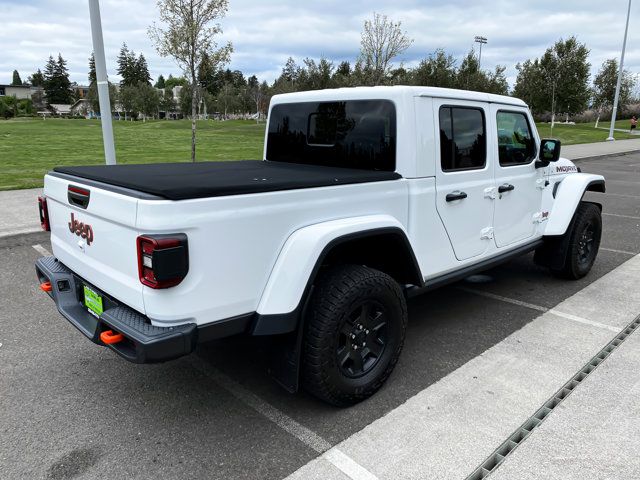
(579, 133)
(29, 148)
(622, 124)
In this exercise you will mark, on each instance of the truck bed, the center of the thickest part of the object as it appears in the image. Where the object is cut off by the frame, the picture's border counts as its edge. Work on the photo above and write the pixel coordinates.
(182, 181)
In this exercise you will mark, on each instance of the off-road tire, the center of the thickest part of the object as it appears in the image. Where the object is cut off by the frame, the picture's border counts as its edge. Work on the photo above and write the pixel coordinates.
(584, 242)
(342, 294)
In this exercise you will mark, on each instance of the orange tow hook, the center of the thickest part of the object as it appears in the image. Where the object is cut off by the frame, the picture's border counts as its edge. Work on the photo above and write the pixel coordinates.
(108, 337)
(46, 287)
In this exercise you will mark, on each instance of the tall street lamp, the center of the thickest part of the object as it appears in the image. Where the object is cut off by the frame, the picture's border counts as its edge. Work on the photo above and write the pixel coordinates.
(102, 82)
(481, 41)
(620, 73)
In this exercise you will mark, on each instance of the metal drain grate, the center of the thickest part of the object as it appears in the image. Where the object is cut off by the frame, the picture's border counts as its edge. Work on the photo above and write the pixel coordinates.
(497, 457)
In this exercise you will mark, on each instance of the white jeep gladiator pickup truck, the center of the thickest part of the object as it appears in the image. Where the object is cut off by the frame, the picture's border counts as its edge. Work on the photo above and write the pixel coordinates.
(365, 196)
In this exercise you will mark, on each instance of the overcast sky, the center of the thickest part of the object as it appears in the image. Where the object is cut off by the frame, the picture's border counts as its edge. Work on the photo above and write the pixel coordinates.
(266, 32)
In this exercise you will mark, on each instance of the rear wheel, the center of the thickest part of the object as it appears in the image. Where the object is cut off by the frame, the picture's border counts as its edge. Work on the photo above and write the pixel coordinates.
(584, 243)
(354, 334)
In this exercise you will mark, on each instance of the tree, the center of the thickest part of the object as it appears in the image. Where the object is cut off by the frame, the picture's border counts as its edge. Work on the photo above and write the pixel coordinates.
(167, 103)
(557, 81)
(342, 75)
(56, 81)
(126, 66)
(531, 85)
(566, 69)
(175, 82)
(316, 76)
(128, 100)
(470, 77)
(604, 87)
(37, 79)
(160, 83)
(189, 33)
(207, 76)
(147, 100)
(17, 81)
(382, 41)
(227, 99)
(94, 101)
(93, 77)
(438, 70)
(141, 71)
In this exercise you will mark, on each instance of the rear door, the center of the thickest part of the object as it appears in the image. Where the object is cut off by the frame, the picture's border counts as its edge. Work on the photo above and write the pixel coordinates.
(93, 233)
(464, 175)
(519, 184)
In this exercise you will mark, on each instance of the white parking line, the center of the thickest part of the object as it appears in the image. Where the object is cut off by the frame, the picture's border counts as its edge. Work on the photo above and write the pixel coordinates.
(539, 308)
(348, 466)
(575, 318)
(618, 251)
(41, 250)
(622, 195)
(310, 438)
(504, 299)
(286, 423)
(621, 216)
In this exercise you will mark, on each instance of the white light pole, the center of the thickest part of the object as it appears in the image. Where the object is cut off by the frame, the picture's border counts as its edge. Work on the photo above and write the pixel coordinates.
(102, 82)
(481, 41)
(617, 97)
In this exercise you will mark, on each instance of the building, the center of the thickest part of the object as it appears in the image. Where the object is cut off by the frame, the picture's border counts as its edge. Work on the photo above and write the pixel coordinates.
(61, 109)
(80, 91)
(20, 92)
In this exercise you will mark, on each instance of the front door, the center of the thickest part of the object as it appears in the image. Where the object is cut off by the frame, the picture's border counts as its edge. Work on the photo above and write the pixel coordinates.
(519, 184)
(464, 175)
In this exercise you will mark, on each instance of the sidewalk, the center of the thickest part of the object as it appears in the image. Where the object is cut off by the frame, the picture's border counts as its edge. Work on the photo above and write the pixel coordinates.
(456, 424)
(587, 150)
(19, 211)
(19, 208)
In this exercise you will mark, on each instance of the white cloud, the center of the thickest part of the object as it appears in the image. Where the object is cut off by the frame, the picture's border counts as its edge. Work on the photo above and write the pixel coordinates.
(266, 33)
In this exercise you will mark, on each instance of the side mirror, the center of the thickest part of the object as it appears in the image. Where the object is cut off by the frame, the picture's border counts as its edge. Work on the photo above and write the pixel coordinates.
(549, 150)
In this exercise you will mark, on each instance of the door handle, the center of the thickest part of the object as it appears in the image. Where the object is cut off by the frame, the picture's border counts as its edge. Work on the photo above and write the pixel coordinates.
(452, 197)
(507, 187)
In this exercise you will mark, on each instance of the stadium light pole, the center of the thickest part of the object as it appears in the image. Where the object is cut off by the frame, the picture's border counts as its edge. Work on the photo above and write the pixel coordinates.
(102, 82)
(614, 112)
(481, 41)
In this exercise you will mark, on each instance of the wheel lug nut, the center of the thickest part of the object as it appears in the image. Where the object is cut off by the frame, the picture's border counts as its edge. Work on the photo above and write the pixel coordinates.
(355, 347)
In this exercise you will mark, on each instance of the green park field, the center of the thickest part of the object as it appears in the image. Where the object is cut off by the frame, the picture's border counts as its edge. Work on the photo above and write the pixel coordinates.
(31, 147)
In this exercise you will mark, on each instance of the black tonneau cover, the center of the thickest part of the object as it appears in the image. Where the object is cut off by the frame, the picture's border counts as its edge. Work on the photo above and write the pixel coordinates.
(181, 181)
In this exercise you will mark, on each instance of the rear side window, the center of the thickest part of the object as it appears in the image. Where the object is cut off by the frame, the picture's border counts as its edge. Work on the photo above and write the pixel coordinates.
(351, 134)
(463, 140)
(515, 140)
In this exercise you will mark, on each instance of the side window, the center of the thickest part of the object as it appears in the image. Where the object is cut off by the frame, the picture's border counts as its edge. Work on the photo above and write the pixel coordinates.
(515, 140)
(463, 141)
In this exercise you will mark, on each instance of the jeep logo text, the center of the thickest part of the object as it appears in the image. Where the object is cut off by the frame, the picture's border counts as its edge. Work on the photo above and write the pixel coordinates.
(81, 229)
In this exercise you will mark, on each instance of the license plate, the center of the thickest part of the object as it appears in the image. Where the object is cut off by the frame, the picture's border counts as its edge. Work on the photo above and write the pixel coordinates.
(93, 301)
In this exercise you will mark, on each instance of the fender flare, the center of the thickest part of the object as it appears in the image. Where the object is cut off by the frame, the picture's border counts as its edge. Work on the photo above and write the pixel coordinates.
(292, 277)
(568, 196)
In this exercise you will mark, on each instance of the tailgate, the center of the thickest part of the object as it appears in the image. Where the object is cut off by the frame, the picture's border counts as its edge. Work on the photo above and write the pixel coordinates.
(96, 240)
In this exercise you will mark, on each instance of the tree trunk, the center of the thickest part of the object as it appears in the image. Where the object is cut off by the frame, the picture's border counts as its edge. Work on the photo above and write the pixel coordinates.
(194, 107)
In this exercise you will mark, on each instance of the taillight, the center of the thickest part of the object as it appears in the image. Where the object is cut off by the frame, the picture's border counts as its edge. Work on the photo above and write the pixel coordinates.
(44, 214)
(163, 260)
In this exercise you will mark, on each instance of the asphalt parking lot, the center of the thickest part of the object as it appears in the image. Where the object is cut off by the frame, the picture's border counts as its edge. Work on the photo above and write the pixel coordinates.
(71, 409)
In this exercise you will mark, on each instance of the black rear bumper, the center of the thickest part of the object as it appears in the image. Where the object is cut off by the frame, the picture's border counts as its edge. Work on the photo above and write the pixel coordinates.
(143, 342)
